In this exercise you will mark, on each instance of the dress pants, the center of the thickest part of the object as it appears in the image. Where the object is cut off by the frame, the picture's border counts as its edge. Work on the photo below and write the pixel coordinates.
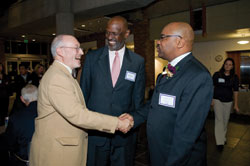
(109, 155)
(222, 113)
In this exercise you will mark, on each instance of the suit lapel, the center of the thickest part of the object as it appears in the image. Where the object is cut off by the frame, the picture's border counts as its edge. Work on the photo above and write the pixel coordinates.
(125, 65)
(180, 65)
(74, 81)
(79, 92)
(104, 65)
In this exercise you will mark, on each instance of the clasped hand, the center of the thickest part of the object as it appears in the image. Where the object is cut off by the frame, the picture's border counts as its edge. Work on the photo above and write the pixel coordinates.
(125, 123)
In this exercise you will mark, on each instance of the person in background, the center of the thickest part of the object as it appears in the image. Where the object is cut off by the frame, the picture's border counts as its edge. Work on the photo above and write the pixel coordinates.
(37, 74)
(21, 81)
(113, 83)
(226, 87)
(180, 104)
(60, 137)
(21, 127)
(4, 95)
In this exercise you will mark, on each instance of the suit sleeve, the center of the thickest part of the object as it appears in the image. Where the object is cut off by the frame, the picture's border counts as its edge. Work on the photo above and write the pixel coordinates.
(192, 113)
(139, 89)
(85, 81)
(63, 99)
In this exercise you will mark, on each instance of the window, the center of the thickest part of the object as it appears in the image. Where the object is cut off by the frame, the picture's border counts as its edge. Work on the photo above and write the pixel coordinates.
(44, 47)
(18, 48)
(7, 47)
(197, 20)
(34, 48)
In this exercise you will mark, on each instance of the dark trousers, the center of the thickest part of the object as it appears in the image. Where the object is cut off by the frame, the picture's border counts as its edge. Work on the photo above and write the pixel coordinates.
(109, 155)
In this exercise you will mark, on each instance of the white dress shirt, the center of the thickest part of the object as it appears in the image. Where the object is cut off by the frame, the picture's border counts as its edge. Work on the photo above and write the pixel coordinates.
(178, 59)
(112, 57)
(67, 67)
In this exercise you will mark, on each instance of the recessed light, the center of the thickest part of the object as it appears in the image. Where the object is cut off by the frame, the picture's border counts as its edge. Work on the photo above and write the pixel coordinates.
(33, 40)
(243, 42)
(23, 36)
(54, 34)
(83, 25)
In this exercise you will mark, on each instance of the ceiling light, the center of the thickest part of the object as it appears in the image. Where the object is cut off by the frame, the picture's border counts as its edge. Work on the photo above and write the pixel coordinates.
(83, 25)
(54, 34)
(243, 42)
(33, 40)
(23, 36)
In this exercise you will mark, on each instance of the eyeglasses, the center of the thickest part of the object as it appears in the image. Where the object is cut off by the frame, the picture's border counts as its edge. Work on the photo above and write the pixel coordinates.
(77, 48)
(112, 33)
(166, 36)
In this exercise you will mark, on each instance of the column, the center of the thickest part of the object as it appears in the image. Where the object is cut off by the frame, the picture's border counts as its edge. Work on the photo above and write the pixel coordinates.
(64, 17)
(145, 47)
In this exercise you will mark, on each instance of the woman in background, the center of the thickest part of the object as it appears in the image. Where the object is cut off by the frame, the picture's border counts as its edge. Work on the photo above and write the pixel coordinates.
(37, 74)
(226, 85)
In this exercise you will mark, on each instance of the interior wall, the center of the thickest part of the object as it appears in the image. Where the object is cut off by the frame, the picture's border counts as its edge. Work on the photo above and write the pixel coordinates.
(207, 51)
(220, 18)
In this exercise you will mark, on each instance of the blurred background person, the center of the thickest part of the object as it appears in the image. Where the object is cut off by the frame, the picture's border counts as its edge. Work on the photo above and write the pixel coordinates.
(226, 86)
(37, 74)
(21, 127)
(21, 81)
(4, 94)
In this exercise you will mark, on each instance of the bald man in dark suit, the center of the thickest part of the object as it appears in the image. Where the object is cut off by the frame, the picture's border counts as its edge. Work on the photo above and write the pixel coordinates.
(180, 104)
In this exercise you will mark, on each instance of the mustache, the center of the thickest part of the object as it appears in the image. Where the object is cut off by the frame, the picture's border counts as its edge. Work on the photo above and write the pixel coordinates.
(112, 40)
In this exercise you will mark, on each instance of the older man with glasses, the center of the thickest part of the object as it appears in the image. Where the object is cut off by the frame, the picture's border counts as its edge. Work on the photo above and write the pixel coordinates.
(60, 137)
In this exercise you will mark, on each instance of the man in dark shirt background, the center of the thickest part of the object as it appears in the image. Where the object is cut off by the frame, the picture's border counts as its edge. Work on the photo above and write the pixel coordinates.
(21, 81)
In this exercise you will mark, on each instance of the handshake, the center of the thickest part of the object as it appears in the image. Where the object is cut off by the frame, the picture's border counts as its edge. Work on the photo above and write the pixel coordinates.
(125, 123)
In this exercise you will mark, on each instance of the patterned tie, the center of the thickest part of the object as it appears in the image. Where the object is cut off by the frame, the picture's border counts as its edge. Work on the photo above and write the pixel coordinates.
(115, 69)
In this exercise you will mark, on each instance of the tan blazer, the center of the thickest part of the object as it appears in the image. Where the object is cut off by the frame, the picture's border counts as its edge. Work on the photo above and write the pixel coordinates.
(60, 138)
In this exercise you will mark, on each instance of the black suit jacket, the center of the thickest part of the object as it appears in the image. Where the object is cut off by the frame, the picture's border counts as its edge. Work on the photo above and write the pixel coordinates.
(20, 130)
(175, 130)
(20, 83)
(101, 96)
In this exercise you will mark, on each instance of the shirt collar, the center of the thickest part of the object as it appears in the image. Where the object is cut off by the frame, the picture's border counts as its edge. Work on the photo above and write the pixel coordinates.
(178, 59)
(67, 67)
(120, 52)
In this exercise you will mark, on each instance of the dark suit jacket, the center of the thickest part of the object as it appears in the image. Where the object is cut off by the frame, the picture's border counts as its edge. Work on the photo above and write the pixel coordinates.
(176, 134)
(100, 96)
(20, 130)
(20, 83)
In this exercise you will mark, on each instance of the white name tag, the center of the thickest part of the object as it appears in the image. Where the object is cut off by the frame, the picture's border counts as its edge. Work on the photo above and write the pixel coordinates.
(167, 100)
(130, 76)
(221, 80)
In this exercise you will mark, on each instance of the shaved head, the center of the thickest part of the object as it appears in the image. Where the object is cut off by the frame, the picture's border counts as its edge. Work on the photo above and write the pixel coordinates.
(176, 39)
(119, 20)
(184, 30)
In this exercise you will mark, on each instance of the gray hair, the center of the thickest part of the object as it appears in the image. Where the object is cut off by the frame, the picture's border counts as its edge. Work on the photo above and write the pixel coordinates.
(29, 93)
(57, 42)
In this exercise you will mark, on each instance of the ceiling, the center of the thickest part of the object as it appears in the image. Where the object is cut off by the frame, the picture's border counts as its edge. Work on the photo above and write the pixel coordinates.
(42, 29)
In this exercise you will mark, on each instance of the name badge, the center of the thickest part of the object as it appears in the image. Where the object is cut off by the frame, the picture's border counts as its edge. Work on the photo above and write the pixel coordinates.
(221, 80)
(130, 76)
(167, 100)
